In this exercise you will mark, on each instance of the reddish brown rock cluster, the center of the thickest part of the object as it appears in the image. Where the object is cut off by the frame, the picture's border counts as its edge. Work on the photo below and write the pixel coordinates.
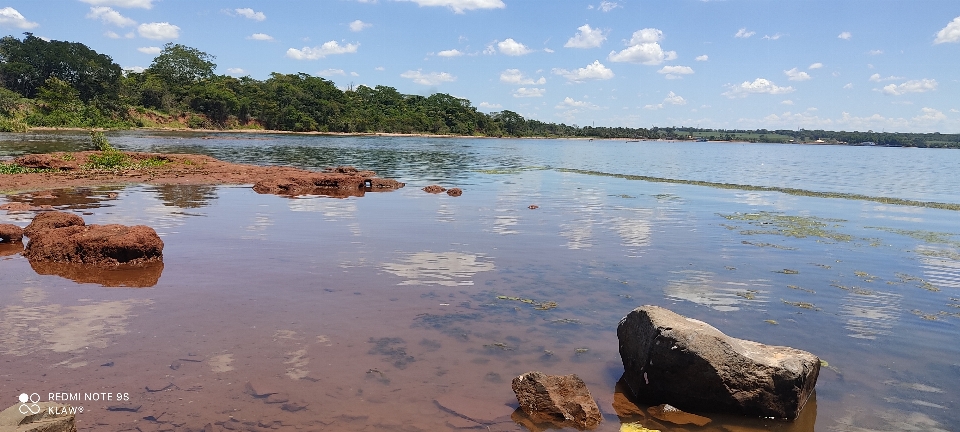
(434, 189)
(454, 192)
(560, 399)
(64, 238)
(337, 182)
(10, 233)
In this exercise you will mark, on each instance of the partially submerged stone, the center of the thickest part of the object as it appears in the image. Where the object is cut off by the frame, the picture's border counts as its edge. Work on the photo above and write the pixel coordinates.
(668, 358)
(669, 413)
(434, 189)
(49, 220)
(39, 417)
(336, 182)
(10, 233)
(96, 245)
(557, 398)
(454, 192)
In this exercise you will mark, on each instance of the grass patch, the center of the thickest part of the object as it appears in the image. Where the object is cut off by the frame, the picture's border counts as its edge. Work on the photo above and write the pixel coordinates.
(110, 158)
(12, 168)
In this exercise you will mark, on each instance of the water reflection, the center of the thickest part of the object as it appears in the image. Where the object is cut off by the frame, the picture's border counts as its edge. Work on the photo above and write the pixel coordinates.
(941, 266)
(76, 198)
(446, 268)
(185, 196)
(9, 249)
(701, 288)
(129, 276)
(871, 315)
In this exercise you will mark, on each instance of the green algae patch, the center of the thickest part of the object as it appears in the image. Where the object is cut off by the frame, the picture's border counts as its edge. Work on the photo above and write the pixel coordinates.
(772, 322)
(789, 226)
(929, 237)
(795, 287)
(501, 171)
(801, 305)
(788, 191)
(788, 271)
(547, 305)
(769, 245)
(938, 253)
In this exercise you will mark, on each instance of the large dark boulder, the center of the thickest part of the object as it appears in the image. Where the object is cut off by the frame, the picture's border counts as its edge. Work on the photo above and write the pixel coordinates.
(559, 399)
(668, 358)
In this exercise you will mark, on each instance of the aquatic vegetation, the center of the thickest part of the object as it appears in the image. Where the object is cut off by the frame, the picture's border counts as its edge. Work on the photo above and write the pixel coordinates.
(790, 226)
(566, 321)
(924, 236)
(770, 321)
(536, 305)
(511, 170)
(581, 350)
(801, 289)
(667, 197)
(935, 253)
(771, 245)
(498, 346)
(867, 277)
(393, 350)
(623, 196)
(926, 316)
(788, 271)
(802, 305)
(748, 294)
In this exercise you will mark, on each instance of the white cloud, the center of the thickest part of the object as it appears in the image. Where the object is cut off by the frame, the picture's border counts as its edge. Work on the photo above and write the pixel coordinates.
(758, 86)
(111, 34)
(796, 75)
(674, 72)
(702, 58)
(331, 72)
(432, 78)
(593, 71)
(954, 110)
(912, 86)
(137, 69)
(150, 50)
(816, 66)
(845, 36)
(743, 33)
(250, 13)
(110, 16)
(875, 52)
(569, 102)
(671, 99)
(486, 105)
(490, 50)
(548, 50)
(644, 48)
(318, 52)
(848, 86)
(930, 115)
(450, 53)
(950, 33)
(260, 37)
(359, 25)
(143, 4)
(354, 74)
(379, 68)
(514, 76)
(876, 78)
(774, 37)
(787, 102)
(236, 71)
(608, 6)
(459, 6)
(511, 47)
(11, 17)
(524, 92)
(159, 31)
(586, 37)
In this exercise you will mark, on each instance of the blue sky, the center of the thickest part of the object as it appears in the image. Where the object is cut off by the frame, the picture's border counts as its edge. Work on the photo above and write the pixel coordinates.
(775, 64)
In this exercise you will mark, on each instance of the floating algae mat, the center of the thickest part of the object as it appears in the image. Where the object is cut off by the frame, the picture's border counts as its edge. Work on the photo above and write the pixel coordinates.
(790, 226)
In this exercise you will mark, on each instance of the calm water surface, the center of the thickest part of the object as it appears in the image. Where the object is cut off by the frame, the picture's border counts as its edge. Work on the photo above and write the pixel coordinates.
(375, 313)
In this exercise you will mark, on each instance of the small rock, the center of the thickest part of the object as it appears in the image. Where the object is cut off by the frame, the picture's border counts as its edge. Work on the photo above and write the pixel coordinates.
(107, 364)
(294, 406)
(277, 398)
(49, 220)
(175, 365)
(11, 233)
(557, 398)
(159, 386)
(673, 415)
(258, 389)
(434, 189)
(533, 207)
(124, 407)
(454, 192)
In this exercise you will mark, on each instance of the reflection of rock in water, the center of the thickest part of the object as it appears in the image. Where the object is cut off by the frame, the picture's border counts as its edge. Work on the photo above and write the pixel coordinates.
(447, 268)
(124, 275)
(185, 196)
(332, 209)
(871, 315)
(27, 329)
(7, 249)
(75, 198)
(700, 288)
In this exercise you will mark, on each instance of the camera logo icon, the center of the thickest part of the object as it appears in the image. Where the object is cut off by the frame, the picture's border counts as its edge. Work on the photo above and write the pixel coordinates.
(28, 404)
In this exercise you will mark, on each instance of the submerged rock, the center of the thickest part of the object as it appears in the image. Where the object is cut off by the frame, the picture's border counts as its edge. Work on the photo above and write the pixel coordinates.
(668, 413)
(454, 192)
(49, 220)
(10, 233)
(434, 189)
(336, 182)
(557, 398)
(668, 358)
(39, 417)
(96, 244)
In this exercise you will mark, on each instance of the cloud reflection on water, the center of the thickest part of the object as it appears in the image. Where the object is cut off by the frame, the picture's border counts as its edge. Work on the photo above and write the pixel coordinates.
(445, 268)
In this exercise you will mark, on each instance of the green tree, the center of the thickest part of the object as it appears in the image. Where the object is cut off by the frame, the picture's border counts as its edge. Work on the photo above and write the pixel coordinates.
(180, 67)
(26, 65)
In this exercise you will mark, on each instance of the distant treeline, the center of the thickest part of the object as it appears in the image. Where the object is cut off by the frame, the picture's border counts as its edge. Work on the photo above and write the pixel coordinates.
(67, 84)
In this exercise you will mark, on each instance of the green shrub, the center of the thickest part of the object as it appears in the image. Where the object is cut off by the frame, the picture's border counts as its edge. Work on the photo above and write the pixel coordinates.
(12, 168)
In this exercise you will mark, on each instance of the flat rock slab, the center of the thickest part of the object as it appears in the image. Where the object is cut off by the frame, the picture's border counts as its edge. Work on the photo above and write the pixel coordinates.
(560, 399)
(49, 417)
(668, 358)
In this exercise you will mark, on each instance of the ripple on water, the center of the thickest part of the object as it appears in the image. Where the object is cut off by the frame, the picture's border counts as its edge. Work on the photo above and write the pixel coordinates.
(701, 288)
(939, 268)
(869, 316)
(445, 268)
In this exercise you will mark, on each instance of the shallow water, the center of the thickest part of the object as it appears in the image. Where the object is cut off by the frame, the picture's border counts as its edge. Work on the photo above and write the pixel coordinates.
(369, 311)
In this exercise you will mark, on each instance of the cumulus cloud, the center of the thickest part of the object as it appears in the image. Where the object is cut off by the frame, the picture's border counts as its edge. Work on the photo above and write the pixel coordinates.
(845, 36)
(876, 78)
(593, 71)
(743, 33)
(671, 99)
(318, 52)
(143, 4)
(487, 105)
(702, 58)
(236, 71)
(674, 72)
(260, 37)
(796, 75)
(331, 72)
(431, 78)
(644, 48)
(816, 66)
(586, 37)
(514, 76)
(848, 86)
(930, 115)
(758, 86)
(158, 31)
(114, 35)
(511, 47)
(251, 14)
(608, 6)
(774, 37)
(912, 86)
(459, 6)
(524, 92)
(359, 25)
(875, 52)
(450, 53)
(11, 17)
(787, 102)
(950, 33)
(569, 102)
(150, 50)
(110, 16)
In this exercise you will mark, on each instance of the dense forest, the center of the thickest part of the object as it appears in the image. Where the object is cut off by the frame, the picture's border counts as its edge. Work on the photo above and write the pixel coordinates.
(67, 84)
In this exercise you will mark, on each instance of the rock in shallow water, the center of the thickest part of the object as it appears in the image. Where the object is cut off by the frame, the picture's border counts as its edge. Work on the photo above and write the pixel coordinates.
(668, 358)
(557, 398)
(10, 233)
(96, 244)
(46, 221)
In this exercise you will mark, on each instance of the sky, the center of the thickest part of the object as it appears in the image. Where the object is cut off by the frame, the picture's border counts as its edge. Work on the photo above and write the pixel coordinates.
(882, 65)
